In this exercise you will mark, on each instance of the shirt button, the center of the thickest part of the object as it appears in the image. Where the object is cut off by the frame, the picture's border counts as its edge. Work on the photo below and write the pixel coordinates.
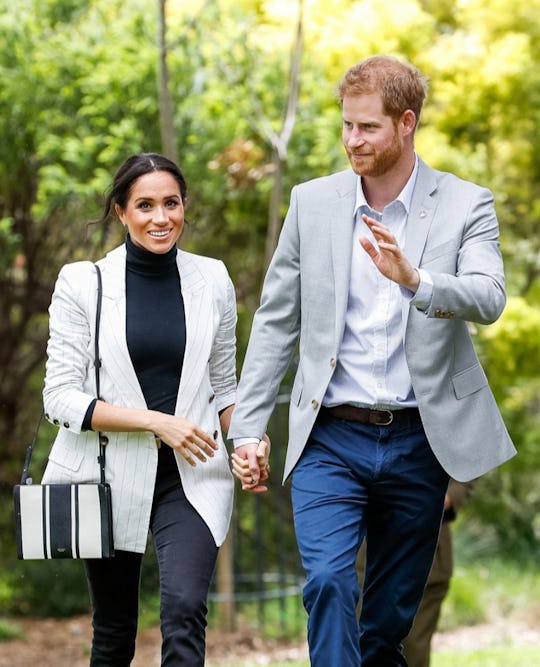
(66, 424)
(211, 398)
(215, 435)
(56, 422)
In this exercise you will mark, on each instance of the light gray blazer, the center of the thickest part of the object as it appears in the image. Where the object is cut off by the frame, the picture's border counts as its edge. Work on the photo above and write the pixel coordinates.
(207, 385)
(452, 232)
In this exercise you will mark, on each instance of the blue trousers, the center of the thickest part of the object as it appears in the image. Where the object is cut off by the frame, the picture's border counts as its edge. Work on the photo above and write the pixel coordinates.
(186, 554)
(378, 482)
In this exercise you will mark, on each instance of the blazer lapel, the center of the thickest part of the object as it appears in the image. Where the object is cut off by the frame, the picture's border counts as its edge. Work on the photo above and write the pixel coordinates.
(341, 231)
(113, 343)
(420, 219)
(198, 306)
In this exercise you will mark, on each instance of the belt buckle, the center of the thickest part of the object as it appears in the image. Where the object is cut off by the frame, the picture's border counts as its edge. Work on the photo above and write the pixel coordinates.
(389, 420)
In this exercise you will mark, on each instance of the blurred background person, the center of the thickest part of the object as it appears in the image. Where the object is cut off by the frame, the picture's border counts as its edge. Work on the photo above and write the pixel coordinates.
(417, 645)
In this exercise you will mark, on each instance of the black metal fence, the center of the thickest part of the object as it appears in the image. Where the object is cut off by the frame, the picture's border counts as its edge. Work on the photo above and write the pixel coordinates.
(259, 577)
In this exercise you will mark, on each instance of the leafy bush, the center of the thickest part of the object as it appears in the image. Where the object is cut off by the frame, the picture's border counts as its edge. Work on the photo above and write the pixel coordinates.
(10, 631)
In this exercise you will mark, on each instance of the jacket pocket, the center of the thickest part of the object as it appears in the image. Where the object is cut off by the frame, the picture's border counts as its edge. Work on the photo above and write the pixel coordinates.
(468, 381)
(439, 251)
(69, 457)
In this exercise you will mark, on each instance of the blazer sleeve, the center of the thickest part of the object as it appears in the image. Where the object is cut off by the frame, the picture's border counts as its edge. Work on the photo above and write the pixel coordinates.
(67, 392)
(274, 334)
(222, 363)
(468, 274)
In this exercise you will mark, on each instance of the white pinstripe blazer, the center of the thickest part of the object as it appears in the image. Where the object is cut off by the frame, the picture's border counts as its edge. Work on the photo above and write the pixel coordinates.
(207, 385)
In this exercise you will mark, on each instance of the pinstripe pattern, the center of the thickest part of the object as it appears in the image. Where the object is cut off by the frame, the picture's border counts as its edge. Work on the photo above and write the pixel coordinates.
(208, 383)
(75, 534)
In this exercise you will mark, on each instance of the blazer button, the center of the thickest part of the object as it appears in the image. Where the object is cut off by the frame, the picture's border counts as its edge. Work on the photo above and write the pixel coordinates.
(56, 422)
(66, 424)
(332, 362)
(211, 398)
(314, 404)
(215, 435)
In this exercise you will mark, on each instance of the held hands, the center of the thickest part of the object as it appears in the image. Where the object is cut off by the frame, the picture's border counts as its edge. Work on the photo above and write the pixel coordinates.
(186, 438)
(250, 465)
(388, 258)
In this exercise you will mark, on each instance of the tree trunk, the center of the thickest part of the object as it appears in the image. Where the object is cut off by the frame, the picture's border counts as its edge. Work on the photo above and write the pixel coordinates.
(280, 142)
(225, 585)
(166, 114)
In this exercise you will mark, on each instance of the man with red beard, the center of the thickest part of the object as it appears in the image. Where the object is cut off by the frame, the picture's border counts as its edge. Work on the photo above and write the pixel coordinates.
(378, 270)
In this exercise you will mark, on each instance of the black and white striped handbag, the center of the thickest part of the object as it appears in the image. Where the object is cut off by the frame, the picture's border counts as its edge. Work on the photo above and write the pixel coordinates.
(65, 520)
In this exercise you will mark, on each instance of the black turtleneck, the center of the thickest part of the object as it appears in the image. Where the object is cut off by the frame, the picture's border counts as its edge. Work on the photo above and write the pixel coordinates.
(155, 324)
(156, 338)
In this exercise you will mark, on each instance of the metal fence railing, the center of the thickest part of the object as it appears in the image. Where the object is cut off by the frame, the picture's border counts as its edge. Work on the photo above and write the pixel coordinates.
(259, 577)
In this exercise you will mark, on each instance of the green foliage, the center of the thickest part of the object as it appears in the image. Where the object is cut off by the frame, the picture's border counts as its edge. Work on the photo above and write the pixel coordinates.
(47, 588)
(79, 94)
(488, 587)
(9, 631)
(508, 499)
(464, 606)
(500, 656)
(511, 348)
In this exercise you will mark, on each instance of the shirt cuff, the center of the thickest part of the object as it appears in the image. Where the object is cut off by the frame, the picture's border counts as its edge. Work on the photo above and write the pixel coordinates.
(421, 299)
(240, 442)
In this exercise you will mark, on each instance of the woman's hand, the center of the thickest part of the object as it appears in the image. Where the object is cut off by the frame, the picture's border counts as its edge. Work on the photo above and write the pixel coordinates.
(250, 465)
(186, 438)
(182, 435)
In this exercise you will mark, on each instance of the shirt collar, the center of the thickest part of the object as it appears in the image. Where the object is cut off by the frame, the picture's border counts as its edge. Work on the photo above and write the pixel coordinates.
(405, 196)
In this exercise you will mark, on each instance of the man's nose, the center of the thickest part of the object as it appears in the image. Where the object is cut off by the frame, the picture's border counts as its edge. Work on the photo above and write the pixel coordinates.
(355, 138)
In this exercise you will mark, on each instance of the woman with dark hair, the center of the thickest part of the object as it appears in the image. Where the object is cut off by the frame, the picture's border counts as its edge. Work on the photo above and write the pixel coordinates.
(168, 382)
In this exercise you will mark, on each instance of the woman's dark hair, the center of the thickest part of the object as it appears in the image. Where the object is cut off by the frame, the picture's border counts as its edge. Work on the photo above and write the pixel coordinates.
(132, 169)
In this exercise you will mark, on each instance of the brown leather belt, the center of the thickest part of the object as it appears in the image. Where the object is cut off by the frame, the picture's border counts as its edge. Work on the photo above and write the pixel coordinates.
(374, 417)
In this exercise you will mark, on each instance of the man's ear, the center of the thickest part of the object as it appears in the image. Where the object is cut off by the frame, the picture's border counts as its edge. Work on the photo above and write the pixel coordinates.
(408, 121)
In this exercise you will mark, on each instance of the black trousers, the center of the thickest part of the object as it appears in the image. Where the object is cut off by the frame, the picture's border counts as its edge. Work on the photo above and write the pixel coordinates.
(186, 554)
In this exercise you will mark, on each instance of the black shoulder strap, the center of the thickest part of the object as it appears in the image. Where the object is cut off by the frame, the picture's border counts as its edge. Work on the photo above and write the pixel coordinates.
(25, 477)
(97, 361)
(103, 440)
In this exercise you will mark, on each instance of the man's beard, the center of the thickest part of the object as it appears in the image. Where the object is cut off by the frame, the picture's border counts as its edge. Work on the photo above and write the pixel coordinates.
(377, 163)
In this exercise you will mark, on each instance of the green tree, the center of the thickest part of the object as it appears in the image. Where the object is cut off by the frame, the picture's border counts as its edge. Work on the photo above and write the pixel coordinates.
(80, 92)
(63, 110)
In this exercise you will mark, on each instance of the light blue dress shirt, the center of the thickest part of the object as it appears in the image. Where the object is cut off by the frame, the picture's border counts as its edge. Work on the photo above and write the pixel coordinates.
(371, 369)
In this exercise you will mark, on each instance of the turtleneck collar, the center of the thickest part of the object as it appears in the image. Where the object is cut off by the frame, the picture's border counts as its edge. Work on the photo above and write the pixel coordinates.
(144, 262)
